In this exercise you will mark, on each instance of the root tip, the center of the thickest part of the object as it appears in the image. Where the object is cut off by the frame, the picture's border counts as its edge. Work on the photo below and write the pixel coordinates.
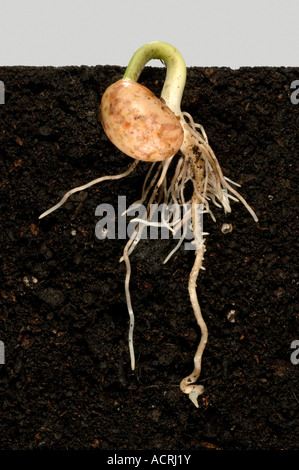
(197, 390)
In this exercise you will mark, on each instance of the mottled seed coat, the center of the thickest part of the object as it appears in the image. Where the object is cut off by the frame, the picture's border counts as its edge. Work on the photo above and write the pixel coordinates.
(138, 123)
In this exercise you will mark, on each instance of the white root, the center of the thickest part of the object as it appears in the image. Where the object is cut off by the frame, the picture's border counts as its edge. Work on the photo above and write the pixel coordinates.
(87, 185)
(198, 165)
(188, 385)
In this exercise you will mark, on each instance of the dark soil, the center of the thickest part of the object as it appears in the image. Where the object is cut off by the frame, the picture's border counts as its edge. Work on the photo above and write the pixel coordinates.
(66, 382)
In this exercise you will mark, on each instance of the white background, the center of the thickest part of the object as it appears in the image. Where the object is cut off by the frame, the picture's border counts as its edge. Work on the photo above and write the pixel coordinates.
(229, 33)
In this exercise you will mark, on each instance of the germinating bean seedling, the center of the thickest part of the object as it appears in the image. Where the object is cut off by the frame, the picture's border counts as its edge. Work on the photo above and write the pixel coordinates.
(155, 130)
